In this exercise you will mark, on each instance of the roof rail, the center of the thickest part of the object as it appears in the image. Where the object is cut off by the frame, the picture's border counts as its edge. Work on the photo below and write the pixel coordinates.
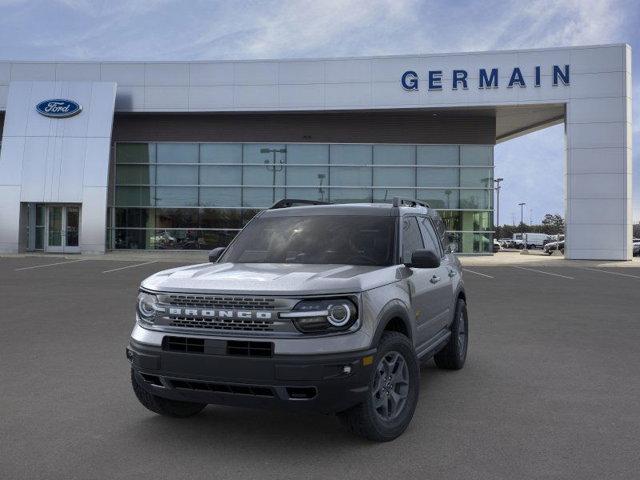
(293, 202)
(408, 202)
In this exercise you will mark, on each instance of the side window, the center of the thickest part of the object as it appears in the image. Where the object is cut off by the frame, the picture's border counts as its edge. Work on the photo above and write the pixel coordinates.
(441, 231)
(411, 238)
(430, 239)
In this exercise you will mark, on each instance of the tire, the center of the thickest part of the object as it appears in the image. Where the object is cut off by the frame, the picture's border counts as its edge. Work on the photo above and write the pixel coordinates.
(368, 419)
(164, 406)
(454, 354)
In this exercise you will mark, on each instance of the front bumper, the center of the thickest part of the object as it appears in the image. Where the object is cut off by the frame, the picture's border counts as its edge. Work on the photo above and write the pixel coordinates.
(325, 383)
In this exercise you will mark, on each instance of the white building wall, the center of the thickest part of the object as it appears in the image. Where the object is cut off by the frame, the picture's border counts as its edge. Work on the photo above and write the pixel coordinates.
(56, 160)
(598, 106)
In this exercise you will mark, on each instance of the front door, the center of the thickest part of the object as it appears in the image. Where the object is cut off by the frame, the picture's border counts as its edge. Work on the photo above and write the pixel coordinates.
(62, 229)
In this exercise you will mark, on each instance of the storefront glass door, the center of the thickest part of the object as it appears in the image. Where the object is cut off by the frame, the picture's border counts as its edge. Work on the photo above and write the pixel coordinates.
(63, 227)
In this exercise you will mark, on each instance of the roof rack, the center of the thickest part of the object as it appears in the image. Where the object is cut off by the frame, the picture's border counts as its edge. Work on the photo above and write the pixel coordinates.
(293, 202)
(408, 202)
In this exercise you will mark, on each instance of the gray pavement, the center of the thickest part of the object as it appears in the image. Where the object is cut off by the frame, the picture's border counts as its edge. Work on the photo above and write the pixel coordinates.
(550, 389)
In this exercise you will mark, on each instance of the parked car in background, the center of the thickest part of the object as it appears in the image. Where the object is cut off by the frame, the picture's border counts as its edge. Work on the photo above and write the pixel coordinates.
(532, 240)
(496, 246)
(636, 247)
(506, 242)
(550, 247)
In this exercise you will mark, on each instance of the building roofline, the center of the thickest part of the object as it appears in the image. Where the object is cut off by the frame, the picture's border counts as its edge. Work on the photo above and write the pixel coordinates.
(322, 59)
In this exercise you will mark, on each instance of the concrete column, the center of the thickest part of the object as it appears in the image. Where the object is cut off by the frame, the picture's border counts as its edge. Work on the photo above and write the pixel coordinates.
(598, 206)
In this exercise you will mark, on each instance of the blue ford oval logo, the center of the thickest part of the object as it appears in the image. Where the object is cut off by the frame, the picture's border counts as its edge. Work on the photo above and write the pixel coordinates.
(58, 108)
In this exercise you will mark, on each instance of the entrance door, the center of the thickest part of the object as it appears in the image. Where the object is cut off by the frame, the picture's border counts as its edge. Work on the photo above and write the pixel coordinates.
(63, 228)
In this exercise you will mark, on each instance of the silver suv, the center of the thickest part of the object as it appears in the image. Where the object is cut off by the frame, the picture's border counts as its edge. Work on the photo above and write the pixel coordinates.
(317, 307)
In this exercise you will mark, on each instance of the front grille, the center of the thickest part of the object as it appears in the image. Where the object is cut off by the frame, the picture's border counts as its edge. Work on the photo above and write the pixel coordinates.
(221, 302)
(182, 344)
(254, 390)
(249, 349)
(236, 324)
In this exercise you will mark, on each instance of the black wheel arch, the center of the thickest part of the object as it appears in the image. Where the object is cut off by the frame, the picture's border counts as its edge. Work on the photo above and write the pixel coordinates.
(394, 317)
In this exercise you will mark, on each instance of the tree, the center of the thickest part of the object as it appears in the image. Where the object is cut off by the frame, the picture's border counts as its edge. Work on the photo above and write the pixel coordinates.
(553, 220)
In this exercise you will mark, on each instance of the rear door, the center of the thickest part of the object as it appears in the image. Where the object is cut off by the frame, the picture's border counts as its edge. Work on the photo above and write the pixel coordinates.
(443, 286)
(423, 283)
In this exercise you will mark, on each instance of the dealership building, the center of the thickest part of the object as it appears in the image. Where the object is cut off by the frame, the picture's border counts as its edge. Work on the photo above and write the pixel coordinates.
(99, 156)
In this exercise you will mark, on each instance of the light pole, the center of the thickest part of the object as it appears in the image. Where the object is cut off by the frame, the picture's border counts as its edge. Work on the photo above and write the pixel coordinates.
(275, 166)
(448, 194)
(524, 240)
(498, 187)
(321, 177)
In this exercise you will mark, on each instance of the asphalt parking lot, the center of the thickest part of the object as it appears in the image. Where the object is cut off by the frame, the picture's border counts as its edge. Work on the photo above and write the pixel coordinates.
(551, 388)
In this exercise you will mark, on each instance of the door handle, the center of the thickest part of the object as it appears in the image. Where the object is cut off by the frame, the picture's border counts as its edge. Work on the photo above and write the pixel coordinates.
(435, 279)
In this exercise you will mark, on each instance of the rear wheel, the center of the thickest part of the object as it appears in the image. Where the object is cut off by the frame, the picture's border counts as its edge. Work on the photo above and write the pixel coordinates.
(164, 406)
(454, 354)
(393, 392)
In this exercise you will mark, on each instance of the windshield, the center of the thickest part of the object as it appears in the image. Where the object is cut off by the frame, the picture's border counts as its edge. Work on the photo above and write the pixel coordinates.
(349, 240)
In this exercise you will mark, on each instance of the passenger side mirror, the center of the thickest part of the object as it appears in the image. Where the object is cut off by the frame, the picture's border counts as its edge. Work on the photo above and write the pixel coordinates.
(215, 254)
(424, 259)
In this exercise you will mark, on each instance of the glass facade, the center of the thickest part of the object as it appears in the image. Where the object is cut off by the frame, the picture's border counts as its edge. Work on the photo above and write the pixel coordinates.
(199, 195)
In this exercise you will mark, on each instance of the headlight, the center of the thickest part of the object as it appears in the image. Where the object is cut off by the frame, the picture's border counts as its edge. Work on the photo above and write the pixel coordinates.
(147, 306)
(323, 316)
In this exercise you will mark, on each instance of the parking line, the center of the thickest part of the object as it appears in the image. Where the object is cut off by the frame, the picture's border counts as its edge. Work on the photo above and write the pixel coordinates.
(129, 266)
(610, 273)
(544, 273)
(49, 265)
(477, 273)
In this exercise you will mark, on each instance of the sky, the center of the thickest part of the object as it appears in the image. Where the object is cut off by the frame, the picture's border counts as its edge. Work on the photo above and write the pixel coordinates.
(532, 165)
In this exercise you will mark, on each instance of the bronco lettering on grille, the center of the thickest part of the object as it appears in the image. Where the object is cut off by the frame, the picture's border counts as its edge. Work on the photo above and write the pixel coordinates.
(209, 313)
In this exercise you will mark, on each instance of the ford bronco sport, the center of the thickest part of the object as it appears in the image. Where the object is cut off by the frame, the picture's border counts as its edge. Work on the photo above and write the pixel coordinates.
(315, 307)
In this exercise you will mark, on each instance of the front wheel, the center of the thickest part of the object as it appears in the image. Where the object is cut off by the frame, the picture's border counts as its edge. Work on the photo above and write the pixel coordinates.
(393, 392)
(454, 354)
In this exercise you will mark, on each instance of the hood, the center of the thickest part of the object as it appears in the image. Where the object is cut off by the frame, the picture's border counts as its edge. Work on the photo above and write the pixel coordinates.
(271, 278)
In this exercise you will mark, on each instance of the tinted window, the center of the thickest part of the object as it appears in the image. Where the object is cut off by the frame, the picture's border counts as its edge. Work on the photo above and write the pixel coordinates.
(441, 231)
(411, 238)
(320, 239)
(430, 238)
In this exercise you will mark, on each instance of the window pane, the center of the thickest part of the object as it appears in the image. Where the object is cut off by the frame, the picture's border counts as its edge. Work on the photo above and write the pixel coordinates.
(307, 176)
(176, 217)
(350, 195)
(448, 198)
(39, 238)
(177, 196)
(220, 175)
(134, 217)
(429, 236)
(411, 238)
(438, 155)
(476, 155)
(394, 177)
(394, 154)
(476, 199)
(438, 177)
(476, 221)
(351, 154)
(387, 194)
(452, 220)
(476, 177)
(135, 152)
(135, 174)
(261, 197)
(135, 196)
(40, 216)
(315, 154)
(178, 152)
(263, 174)
(321, 194)
(177, 175)
(221, 218)
(174, 239)
(351, 176)
(220, 197)
(221, 153)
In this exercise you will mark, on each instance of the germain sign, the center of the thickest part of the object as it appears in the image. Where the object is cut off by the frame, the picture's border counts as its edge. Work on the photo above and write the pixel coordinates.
(487, 78)
(58, 108)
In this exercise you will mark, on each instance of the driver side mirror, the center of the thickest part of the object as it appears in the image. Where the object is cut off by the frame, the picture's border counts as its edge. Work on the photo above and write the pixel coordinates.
(424, 259)
(215, 254)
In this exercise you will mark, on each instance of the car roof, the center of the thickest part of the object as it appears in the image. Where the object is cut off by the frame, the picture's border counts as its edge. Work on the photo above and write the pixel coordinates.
(365, 209)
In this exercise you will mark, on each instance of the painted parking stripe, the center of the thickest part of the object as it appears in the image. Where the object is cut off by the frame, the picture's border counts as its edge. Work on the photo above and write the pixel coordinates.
(129, 266)
(477, 273)
(545, 273)
(49, 265)
(610, 273)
